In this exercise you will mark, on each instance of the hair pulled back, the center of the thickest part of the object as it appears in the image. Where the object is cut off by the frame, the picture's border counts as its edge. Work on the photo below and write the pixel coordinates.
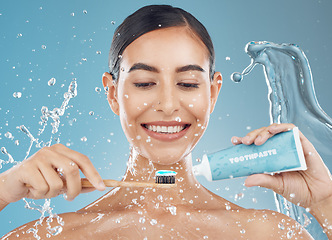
(150, 18)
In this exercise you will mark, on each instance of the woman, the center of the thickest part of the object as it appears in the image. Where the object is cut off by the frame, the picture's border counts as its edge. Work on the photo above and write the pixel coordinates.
(163, 86)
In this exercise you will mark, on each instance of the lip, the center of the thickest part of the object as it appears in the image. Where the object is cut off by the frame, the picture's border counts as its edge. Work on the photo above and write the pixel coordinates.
(166, 136)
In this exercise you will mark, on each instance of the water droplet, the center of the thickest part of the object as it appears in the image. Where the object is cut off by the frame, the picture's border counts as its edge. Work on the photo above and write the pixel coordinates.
(141, 220)
(17, 142)
(281, 226)
(4, 150)
(228, 58)
(98, 52)
(292, 195)
(172, 209)
(236, 77)
(254, 200)
(72, 14)
(9, 135)
(51, 82)
(19, 35)
(242, 231)
(17, 94)
(191, 105)
(228, 207)
(153, 222)
(290, 234)
(178, 119)
(113, 22)
(97, 89)
(43, 46)
(85, 11)
(91, 113)
(205, 237)
(84, 139)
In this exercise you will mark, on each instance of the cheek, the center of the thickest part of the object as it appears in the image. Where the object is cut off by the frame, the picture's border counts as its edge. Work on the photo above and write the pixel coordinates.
(199, 105)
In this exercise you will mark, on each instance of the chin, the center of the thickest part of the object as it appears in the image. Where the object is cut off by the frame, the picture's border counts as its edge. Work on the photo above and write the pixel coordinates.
(167, 160)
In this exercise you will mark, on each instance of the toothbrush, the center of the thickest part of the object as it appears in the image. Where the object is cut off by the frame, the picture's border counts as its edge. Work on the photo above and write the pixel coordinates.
(164, 179)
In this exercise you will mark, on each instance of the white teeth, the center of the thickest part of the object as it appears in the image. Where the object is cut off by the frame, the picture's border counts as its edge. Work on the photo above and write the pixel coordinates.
(165, 129)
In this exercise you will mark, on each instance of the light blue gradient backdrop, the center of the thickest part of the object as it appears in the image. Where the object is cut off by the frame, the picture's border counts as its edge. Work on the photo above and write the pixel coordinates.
(69, 38)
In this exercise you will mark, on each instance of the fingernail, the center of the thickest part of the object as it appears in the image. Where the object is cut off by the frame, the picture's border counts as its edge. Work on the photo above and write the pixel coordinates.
(246, 139)
(259, 138)
(102, 185)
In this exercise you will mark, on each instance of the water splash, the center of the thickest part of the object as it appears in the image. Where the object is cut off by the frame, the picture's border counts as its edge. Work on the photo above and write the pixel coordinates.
(46, 210)
(10, 158)
(56, 113)
(292, 99)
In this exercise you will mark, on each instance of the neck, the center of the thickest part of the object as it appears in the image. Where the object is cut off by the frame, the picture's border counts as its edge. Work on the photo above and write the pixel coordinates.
(185, 192)
(188, 192)
(142, 169)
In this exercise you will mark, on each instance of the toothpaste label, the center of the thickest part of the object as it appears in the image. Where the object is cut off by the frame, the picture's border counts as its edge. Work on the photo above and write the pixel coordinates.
(282, 152)
(253, 156)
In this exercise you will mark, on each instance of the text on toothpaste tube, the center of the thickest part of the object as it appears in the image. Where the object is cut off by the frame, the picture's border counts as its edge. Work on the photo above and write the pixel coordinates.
(253, 156)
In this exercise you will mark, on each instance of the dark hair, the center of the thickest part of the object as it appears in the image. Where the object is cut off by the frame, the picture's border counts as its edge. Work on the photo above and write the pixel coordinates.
(150, 18)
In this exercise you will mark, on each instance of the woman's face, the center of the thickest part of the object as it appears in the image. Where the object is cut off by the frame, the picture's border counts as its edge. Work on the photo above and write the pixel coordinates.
(164, 95)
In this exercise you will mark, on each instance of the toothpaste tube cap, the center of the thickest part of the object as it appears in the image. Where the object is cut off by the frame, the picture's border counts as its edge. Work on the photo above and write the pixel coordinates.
(203, 169)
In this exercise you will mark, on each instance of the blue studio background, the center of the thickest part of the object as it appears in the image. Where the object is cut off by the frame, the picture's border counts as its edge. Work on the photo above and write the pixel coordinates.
(67, 40)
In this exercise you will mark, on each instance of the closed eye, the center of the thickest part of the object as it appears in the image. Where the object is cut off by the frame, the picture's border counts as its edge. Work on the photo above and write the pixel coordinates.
(188, 85)
(144, 85)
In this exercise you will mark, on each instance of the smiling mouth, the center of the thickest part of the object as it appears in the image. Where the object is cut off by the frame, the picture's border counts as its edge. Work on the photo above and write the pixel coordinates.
(166, 129)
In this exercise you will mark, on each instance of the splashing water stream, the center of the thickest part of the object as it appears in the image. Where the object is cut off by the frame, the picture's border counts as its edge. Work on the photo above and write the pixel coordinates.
(292, 99)
(55, 115)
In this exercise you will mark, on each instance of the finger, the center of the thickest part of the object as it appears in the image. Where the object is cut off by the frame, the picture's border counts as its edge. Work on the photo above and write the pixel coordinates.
(69, 169)
(251, 136)
(274, 183)
(52, 178)
(281, 127)
(236, 140)
(73, 180)
(272, 130)
(35, 179)
(84, 164)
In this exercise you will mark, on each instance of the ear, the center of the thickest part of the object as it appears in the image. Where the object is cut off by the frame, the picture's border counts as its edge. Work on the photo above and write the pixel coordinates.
(112, 92)
(215, 89)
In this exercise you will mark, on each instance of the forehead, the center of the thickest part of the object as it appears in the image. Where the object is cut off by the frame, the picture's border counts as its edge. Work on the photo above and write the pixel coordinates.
(167, 48)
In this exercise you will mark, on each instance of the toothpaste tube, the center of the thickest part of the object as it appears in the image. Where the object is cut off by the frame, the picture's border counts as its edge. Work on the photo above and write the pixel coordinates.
(281, 153)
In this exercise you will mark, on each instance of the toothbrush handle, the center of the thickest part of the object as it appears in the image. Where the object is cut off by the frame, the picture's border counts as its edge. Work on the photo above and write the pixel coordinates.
(114, 183)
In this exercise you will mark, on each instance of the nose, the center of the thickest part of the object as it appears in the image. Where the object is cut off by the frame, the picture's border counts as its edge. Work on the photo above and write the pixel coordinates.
(167, 100)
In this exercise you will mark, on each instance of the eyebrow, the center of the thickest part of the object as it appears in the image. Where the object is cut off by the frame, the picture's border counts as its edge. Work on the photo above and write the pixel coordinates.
(191, 67)
(145, 67)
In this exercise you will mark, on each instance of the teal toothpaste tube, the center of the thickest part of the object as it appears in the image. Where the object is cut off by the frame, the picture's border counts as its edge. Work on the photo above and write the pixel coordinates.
(281, 153)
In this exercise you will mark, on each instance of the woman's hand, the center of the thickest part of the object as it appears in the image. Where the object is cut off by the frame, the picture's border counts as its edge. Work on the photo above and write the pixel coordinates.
(307, 188)
(49, 172)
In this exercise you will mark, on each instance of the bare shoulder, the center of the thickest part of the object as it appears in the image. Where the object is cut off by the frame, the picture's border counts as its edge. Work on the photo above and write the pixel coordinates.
(268, 224)
(47, 228)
